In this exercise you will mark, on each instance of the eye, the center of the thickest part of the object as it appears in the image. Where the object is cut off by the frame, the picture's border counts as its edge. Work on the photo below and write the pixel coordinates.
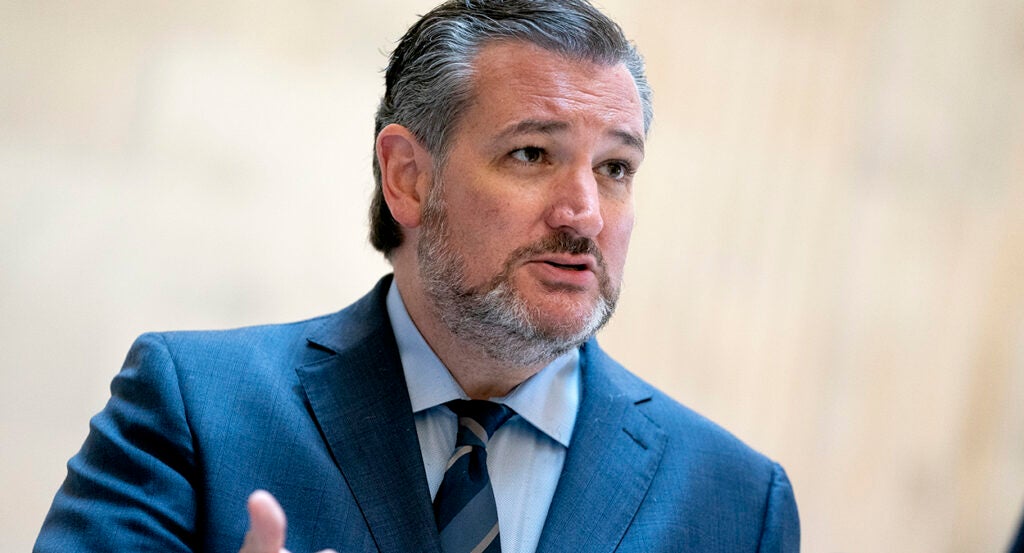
(616, 170)
(529, 154)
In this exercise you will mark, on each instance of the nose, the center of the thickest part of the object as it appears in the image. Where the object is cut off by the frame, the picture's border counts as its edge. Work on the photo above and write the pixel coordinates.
(576, 203)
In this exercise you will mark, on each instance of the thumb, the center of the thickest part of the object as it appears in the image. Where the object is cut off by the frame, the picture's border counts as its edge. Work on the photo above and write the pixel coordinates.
(266, 524)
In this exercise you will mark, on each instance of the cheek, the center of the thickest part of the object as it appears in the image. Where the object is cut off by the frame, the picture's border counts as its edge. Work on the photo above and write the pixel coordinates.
(496, 223)
(487, 224)
(483, 232)
(616, 235)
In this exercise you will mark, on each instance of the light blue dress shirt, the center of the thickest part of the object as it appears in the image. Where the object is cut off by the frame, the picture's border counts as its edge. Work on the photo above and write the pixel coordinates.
(524, 457)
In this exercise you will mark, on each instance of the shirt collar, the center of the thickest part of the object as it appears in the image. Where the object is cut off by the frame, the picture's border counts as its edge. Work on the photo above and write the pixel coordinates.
(548, 400)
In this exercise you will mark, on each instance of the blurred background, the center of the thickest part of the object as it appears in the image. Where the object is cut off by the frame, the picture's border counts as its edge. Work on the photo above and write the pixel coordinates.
(828, 260)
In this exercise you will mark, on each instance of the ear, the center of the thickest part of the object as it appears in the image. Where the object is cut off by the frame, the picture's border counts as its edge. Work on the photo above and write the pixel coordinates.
(406, 169)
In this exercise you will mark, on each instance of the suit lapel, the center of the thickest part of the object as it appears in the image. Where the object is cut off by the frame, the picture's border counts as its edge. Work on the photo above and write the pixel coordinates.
(359, 398)
(614, 454)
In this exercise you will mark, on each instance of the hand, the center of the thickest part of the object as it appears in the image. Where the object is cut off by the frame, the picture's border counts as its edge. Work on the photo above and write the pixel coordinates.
(267, 525)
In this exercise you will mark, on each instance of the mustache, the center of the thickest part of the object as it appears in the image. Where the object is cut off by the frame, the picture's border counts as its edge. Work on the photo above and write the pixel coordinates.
(561, 242)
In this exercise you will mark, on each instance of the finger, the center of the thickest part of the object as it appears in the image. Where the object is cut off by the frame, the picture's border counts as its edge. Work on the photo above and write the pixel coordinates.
(266, 524)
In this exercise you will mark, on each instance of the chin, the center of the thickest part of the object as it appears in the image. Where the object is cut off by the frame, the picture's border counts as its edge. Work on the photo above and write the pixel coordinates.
(579, 321)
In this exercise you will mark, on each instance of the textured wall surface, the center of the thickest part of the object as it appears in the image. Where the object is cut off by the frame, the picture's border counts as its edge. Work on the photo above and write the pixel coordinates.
(828, 260)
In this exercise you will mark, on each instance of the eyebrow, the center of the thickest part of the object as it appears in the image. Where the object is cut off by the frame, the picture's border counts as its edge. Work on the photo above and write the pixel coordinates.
(630, 139)
(541, 126)
(529, 126)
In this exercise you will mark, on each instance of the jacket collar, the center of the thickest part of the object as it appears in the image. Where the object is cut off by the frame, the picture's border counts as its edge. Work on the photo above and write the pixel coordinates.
(358, 396)
(615, 452)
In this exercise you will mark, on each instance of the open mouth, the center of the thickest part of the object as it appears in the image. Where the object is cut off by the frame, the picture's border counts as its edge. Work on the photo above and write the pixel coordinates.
(567, 267)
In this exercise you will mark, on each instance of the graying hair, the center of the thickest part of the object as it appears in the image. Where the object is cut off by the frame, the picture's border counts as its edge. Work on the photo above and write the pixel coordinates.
(428, 81)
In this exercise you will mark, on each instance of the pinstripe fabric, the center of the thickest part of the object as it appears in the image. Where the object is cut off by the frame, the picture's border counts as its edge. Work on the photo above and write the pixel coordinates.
(464, 507)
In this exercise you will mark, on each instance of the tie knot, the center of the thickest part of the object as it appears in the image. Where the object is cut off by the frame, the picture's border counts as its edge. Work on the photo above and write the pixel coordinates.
(478, 420)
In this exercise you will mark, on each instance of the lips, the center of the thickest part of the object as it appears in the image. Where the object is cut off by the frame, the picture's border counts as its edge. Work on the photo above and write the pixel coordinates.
(569, 262)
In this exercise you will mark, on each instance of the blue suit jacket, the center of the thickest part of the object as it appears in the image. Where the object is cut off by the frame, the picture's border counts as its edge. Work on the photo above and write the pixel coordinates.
(317, 412)
(1018, 543)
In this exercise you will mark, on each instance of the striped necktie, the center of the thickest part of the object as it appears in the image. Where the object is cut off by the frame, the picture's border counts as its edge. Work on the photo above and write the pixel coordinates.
(464, 506)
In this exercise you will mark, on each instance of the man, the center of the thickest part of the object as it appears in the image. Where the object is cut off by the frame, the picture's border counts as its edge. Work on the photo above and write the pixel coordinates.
(506, 145)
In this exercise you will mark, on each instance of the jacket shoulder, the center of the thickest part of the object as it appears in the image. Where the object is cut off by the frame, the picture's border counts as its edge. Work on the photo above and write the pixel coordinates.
(279, 344)
(268, 341)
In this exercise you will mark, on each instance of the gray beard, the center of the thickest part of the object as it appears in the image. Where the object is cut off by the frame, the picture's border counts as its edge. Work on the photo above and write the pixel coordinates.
(493, 316)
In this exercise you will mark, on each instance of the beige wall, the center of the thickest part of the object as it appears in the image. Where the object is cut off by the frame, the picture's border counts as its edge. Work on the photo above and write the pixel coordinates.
(829, 258)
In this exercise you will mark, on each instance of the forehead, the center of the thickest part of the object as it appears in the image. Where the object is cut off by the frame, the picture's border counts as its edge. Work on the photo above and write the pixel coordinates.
(517, 80)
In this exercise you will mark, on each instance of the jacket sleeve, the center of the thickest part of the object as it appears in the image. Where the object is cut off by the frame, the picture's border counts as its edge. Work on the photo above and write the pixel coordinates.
(131, 487)
(781, 530)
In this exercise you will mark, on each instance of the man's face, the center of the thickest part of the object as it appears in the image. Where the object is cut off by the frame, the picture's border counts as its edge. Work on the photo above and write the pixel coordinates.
(527, 224)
